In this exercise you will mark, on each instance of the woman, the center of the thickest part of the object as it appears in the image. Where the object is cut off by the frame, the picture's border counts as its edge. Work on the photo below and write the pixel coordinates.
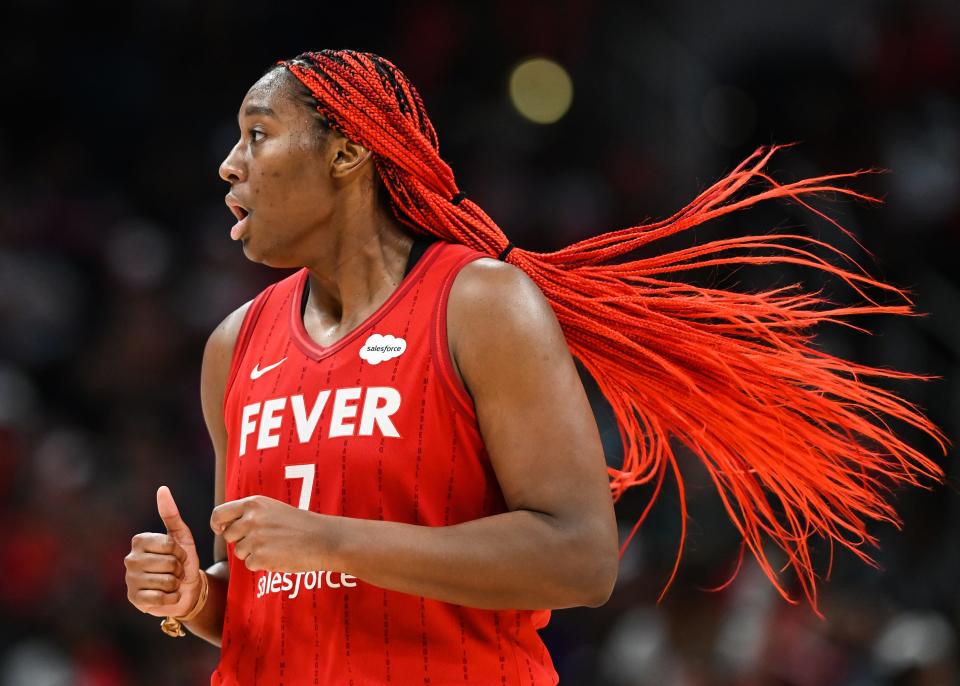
(409, 476)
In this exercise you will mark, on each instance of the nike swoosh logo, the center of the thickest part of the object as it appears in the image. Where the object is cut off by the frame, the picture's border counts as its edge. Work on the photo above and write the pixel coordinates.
(256, 372)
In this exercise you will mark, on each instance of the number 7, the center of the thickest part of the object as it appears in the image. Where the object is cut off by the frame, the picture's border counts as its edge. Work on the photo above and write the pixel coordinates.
(305, 472)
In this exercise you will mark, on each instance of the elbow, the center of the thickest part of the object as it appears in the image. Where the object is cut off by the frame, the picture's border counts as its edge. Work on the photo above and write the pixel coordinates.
(582, 566)
(599, 575)
(603, 579)
(592, 572)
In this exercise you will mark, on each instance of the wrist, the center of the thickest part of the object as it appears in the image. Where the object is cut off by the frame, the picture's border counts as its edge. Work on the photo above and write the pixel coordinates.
(328, 542)
(172, 626)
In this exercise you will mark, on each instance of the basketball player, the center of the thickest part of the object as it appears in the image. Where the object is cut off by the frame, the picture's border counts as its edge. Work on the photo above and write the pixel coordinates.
(408, 473)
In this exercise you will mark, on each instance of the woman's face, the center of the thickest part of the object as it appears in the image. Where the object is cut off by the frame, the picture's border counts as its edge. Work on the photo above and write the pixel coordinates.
(281, 189)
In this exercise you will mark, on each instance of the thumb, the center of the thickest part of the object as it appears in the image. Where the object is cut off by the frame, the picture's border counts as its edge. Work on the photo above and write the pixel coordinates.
(170, 515)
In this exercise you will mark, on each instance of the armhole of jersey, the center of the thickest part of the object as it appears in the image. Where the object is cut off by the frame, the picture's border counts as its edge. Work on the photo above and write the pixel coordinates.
(243, 338)
(441, 346)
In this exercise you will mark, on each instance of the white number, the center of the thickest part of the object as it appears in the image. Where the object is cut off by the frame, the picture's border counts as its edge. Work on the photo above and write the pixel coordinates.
(305, 472)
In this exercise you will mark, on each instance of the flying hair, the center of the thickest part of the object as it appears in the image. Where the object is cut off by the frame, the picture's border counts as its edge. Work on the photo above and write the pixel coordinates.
(796, 440)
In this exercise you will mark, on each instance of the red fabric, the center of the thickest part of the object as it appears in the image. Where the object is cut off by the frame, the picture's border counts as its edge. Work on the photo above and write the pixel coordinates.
(798, 442)
(435, 473)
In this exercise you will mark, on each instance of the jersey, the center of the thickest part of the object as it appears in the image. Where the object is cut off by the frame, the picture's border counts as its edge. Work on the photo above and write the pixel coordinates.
(377, 425)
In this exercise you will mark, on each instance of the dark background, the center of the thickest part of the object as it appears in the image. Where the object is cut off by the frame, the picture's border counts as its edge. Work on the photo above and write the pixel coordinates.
(115, 265)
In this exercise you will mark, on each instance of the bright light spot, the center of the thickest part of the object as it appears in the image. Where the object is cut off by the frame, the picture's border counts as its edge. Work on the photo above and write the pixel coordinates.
(541, 90)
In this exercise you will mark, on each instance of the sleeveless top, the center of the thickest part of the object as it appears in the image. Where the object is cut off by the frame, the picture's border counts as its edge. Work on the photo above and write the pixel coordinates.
(377, 425)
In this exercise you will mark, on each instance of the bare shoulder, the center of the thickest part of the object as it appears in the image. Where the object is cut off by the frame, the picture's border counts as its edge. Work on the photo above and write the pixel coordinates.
(489, 289)
(218, 353)
(224, 337)
(497, 317)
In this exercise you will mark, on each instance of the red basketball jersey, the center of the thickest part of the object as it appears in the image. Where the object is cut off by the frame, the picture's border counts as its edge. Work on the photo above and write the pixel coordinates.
(376, 426)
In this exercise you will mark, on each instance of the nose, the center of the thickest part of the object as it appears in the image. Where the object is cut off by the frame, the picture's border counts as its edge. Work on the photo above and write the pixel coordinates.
(231, 169)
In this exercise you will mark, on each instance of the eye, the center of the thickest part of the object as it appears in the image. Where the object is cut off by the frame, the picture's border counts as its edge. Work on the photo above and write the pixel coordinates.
(254, 133)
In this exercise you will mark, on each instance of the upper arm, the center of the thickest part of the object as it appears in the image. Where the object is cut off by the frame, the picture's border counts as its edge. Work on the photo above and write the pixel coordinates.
(533, 412)
(217, 356)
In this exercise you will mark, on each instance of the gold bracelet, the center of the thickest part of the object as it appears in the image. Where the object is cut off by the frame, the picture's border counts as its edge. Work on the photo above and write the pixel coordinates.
(172, 626)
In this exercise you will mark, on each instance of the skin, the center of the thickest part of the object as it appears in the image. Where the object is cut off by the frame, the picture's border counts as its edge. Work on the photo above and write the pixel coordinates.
(313, 204)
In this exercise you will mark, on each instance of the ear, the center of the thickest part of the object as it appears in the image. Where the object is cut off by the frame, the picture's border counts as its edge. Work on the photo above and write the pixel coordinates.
(348, 157)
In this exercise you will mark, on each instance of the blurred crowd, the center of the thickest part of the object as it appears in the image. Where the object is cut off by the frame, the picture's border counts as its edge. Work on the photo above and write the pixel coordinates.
(115, 265)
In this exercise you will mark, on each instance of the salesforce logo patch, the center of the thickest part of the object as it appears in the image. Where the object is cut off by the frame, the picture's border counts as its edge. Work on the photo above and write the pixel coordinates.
(380, 348)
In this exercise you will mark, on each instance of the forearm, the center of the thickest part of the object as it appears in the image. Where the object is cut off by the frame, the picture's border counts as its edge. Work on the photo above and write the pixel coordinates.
(208, 625)
(520, 559)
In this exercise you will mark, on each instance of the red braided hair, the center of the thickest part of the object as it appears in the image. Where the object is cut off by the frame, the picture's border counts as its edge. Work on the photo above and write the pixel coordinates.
(731, 375)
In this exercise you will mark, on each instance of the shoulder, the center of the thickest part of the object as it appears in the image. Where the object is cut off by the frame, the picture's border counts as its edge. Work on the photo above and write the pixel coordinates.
(497, 315)
(218, 353)
(215, 370)
(488, 287)
(223, 339)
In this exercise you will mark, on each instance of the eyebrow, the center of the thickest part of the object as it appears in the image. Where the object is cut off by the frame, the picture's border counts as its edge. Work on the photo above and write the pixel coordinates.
(259, 109)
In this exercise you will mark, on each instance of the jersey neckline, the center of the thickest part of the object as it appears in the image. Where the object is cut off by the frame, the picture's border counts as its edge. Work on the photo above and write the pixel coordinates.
(316, 351)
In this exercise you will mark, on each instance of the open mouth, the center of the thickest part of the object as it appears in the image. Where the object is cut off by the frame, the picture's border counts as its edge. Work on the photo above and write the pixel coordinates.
(239, 212)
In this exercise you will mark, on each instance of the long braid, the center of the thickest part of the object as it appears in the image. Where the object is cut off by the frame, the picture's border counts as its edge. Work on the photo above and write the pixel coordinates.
(733, 376)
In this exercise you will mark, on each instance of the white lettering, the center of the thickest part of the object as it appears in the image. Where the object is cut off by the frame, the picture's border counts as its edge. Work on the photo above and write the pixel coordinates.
(373, 411)
(247, 425)
(296, 589)
(342, 411)
(355, 411)
(269, 422)
(291, 582)
(307, 425)
(305, 472)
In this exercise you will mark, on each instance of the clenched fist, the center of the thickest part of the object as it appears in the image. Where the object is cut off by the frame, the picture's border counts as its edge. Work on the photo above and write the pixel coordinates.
(268, 534)
(163, 570)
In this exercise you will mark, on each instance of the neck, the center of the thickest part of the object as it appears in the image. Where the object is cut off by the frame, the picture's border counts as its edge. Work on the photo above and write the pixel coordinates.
(359, 269)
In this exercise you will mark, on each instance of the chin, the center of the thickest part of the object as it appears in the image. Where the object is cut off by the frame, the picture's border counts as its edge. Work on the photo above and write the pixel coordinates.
(249, 251)
(267, 258)
(252, 253)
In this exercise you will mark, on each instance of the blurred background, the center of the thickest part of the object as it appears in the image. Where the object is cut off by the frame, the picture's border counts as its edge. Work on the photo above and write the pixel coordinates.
(115, 265)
